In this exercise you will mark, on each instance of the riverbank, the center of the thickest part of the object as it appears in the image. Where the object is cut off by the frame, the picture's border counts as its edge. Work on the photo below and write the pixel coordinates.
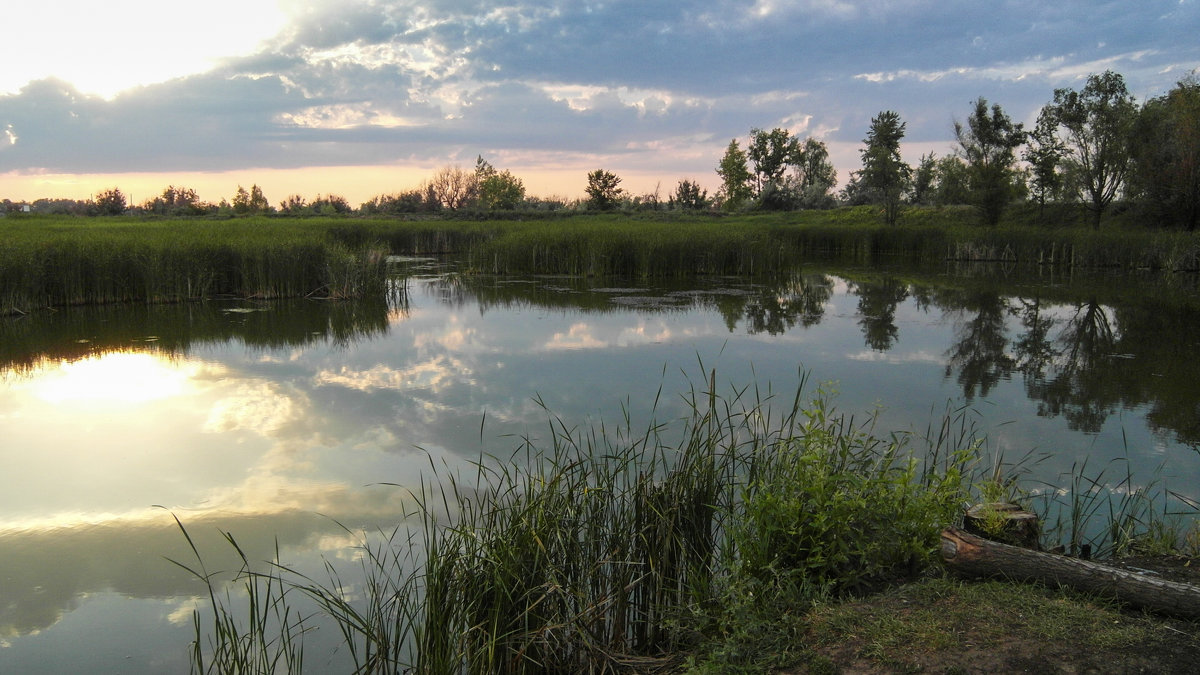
(60, 261)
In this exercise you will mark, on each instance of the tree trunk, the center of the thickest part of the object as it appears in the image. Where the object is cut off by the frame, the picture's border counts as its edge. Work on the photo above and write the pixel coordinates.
(974, 556)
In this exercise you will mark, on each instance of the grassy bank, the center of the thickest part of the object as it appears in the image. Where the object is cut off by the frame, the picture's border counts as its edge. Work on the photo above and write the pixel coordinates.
(47, 262)
(65, 261)
(686, 546)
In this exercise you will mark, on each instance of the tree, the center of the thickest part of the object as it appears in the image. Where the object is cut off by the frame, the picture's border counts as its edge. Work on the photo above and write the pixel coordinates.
(497, 189)
(603, 190)
(111, 202)
(176, 201)
(884, 174)
(453, 188)
(1094, 128)
(924, 180)
(1044, 154)
(816, 175)
(952, 182)
(689, 196)
(735, 177)
(987, 143)
(772, 152)
(251, 202)
(1166, 155)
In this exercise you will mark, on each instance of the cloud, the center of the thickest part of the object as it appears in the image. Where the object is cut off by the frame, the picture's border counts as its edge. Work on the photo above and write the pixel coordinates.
(639, 85)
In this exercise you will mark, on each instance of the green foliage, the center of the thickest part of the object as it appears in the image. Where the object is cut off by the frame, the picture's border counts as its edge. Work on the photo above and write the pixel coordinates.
(498, 189)
(771, 153)
(1044, 154)
(884, 175)
(52, 263)
(1094, 128)
(689, 196)
(735, 177)
(603, 190)
(250, 203)
(988, 143)
(111, 202)
(1165, 174)
(835, 508)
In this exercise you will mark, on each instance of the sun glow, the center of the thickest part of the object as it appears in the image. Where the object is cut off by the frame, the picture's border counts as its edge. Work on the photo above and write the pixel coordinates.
(104, 48)
(115, 379)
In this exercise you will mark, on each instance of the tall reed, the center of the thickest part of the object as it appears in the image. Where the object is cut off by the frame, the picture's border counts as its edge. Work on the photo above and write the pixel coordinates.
(614, 548)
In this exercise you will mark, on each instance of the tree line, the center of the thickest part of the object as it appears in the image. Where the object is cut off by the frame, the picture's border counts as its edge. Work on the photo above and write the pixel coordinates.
(1090, 148)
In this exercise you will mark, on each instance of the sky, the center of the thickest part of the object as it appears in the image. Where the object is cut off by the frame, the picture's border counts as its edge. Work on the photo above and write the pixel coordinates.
(366, 97)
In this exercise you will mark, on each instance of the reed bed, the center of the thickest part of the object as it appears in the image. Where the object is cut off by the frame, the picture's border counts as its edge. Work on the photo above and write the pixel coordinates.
(617, 548)
(55, 263)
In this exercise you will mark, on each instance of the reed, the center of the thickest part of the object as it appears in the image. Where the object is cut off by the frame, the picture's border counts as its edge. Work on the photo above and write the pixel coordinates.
(62, 262)
(616, 548)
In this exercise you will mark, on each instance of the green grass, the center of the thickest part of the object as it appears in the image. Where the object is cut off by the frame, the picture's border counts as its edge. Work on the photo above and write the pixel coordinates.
(55, 262)
(608, 548)
(709, 544)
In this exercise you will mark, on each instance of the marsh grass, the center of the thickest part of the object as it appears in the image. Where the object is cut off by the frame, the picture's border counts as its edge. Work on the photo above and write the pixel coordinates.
(62, 262)
(614, 548)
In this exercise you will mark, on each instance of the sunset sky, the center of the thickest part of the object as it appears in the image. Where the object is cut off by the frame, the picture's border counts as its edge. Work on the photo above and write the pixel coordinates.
(360, 98)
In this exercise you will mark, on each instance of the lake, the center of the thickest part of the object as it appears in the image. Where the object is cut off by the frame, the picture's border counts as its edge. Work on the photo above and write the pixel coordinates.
(295, 425)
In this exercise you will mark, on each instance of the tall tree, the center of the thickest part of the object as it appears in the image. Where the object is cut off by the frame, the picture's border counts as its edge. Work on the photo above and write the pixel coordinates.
(988, 143)
(816, 175)
(924, 180)
(735, 177)
(771, 153)
(1094, 126)
(1166, 154)
(497, 189)
(884, 174)
(1044, 154)
(603, 190)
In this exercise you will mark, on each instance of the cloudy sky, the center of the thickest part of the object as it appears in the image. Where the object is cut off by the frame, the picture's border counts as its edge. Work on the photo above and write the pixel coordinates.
(362, 97)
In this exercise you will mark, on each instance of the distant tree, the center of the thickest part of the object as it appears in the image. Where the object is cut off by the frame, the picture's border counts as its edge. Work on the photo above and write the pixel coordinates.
(987, 143)
(815, 175)
(952, 182)
(330, 205)
(924, 180)
(735, 177)
(176, 201)
(771, 153)
(1044, 155)
(1094, 126)
(111, 202)
(689, 196)
(410, 201)
(884, 174)
(294, 205)
(498, 189)
(1166, 155)
(453, 187)
(854, 192)
(603, 190)
(252, 202)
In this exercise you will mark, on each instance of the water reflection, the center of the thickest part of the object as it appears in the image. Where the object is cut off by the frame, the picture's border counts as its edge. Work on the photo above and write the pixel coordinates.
(253, 418)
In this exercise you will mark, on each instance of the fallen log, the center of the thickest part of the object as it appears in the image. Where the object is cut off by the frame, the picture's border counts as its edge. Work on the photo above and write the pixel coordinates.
(973, 556)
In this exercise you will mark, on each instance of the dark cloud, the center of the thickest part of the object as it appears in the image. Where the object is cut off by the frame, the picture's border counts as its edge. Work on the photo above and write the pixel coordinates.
(374, 81)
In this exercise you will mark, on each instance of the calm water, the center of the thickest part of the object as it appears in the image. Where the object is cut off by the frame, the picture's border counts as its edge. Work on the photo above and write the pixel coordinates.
(278, 421)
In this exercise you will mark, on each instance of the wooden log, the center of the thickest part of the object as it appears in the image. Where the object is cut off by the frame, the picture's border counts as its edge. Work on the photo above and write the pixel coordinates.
(973, 556)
